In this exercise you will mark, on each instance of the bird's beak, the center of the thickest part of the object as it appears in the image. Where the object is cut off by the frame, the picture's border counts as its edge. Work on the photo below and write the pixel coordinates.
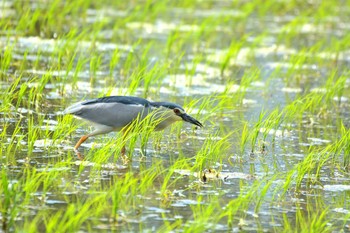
(191, 120)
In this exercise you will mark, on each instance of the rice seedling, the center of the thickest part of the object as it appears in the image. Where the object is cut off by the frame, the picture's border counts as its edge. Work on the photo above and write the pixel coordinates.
(269, 81)
(10, 201)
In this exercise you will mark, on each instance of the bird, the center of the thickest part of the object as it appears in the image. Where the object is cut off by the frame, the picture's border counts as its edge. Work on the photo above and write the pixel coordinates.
(116, 113)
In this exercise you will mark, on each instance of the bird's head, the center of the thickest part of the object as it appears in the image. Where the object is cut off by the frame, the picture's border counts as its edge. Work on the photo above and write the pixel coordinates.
(185, 117)
(177, 113)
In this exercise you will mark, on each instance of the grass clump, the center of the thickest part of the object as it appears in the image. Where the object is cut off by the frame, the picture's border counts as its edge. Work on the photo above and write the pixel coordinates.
(268, 80)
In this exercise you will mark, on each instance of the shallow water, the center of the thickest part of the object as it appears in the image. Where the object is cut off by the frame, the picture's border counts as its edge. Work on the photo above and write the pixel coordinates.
(198, 75)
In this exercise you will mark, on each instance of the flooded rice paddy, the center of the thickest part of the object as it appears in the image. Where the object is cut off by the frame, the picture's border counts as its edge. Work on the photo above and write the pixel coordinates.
(269, 80)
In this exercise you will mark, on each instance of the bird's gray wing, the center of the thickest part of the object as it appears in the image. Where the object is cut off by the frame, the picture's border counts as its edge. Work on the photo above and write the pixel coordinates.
(116, 115)
(128, 100)
(113, 111)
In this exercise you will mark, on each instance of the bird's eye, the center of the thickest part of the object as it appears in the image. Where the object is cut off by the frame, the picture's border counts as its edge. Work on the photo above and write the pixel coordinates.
(177, 111)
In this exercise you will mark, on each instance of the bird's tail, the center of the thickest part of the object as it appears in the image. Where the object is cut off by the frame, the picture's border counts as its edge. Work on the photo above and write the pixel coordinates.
(72, 109)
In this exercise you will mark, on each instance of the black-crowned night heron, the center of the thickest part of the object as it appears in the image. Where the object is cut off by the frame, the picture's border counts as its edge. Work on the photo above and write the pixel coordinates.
(115, 113)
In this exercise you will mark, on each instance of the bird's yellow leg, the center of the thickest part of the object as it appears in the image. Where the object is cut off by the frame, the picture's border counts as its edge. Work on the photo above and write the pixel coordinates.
(81, 140)
(125, 158)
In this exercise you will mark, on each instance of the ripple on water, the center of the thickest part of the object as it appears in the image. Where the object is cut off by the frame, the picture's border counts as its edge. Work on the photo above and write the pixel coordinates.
(336, 187)
(185, 202)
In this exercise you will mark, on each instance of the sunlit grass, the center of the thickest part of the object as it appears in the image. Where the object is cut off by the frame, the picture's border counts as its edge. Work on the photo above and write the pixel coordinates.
(268, 80)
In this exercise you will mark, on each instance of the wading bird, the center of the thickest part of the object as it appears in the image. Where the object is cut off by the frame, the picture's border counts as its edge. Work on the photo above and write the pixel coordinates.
(116, 113)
